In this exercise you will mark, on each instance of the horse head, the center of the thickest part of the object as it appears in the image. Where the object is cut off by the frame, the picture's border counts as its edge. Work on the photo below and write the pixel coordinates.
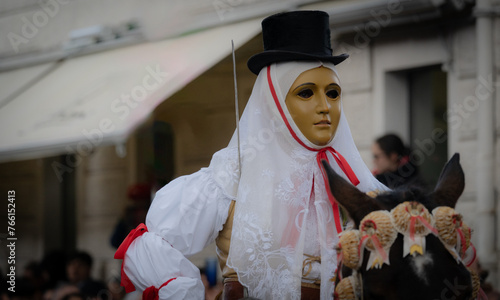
(408, 244)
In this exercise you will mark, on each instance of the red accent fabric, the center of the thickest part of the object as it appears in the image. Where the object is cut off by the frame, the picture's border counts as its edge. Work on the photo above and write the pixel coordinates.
(151, 293)
(482, 295)
(341, 161)
(404, 160)
(120, 254)
(424, 222)
(474, 254)
(412, 228)
(462, 241)
(376, 243)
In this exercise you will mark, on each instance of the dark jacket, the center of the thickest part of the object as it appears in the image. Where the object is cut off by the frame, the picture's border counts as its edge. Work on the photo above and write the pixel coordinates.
(406, 175)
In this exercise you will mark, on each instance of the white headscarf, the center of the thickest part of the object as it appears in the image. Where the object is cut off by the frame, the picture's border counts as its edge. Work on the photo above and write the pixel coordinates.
(281, 190)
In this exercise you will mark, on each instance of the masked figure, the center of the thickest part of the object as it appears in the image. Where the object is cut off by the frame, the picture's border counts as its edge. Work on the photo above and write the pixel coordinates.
(273, 217)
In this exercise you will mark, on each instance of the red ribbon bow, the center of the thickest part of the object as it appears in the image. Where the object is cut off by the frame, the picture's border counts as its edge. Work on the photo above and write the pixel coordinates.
(151, 293)
(341, 161)
(346, 169)
(120, 254)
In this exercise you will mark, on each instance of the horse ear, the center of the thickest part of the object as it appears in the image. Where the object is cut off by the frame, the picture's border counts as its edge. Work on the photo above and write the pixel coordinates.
(451, 183)
(357, 203)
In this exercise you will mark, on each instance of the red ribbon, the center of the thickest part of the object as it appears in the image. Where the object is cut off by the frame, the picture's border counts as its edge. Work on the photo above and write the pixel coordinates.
(469, 262)
(120, 254)
(460, 234)
(151, 293)
(424, 222)
(375, 241)
(341, 161)
(462, 241)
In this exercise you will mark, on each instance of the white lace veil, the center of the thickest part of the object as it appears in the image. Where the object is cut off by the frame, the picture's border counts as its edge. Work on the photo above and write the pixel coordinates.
(281, 190)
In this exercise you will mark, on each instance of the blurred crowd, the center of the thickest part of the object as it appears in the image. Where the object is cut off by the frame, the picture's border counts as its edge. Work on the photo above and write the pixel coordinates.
(60, 277)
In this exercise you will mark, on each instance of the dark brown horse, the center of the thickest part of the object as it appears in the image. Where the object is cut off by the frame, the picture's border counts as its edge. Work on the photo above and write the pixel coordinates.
(435, 274)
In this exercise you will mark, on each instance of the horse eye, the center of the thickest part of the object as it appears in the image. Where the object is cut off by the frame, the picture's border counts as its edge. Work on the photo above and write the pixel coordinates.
(333, 94)
(307, 93)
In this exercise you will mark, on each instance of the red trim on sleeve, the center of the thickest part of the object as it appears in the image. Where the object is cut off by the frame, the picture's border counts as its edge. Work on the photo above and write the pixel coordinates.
(151, 293)
(120, 254)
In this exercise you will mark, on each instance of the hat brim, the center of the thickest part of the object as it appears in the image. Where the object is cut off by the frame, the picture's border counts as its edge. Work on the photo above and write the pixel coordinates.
(260, 60)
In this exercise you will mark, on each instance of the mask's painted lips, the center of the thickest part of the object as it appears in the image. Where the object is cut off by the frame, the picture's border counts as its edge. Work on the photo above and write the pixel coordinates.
(323, 123)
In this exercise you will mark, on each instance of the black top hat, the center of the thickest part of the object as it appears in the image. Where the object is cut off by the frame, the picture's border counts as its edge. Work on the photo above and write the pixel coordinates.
(293, 36)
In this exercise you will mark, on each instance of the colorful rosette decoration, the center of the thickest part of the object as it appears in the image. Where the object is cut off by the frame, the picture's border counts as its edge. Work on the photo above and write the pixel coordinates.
(414, 222)
(348, 289)
(445, 220)
(348, 249)
(377, 236)
(454, 234)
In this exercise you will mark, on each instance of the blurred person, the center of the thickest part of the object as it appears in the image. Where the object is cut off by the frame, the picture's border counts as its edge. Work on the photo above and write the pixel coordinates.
(33, 273)
(61, 291)
(78, 269)
(391, 159)
(211, 292)
(53, 270)
(116, 291)
(24, 290)
(135, 213)
(73, 296)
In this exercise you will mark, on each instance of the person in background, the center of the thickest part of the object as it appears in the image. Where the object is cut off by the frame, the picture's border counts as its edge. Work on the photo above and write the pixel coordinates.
(78, 269)
(139, 196)
(74, 296)
(391, 159)
(24, 290)
(61, 291)
(53, 268)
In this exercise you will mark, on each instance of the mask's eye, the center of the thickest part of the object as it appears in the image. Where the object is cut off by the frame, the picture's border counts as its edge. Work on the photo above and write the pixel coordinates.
(333, 94)
(306, 94)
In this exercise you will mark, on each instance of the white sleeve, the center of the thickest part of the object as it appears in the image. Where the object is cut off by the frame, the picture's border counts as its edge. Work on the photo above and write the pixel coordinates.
(185, 216)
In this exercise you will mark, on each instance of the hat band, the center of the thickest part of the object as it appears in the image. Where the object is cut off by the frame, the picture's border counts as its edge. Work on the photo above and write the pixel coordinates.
(313, 51)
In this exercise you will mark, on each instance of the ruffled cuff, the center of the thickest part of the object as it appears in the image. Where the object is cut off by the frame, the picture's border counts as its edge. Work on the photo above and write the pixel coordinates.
(183, 288)
(149, 262)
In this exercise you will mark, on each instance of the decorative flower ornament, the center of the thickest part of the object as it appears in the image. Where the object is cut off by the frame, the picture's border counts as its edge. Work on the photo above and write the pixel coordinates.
(348, 288)
(414, 222)
(454, 234)
(445, 220)
(348, 249)
(377, 235)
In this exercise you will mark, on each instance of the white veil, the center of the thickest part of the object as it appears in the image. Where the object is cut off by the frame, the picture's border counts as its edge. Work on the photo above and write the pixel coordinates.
(281, 194)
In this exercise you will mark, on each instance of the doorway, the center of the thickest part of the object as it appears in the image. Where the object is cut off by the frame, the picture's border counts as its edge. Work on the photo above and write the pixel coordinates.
(428, 128)
(416, 101)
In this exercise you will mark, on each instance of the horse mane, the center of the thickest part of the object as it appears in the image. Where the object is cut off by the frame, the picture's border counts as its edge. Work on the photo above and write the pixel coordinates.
(402, 194)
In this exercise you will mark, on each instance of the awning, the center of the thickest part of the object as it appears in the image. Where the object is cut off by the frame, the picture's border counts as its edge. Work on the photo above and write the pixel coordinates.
(99, 99)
